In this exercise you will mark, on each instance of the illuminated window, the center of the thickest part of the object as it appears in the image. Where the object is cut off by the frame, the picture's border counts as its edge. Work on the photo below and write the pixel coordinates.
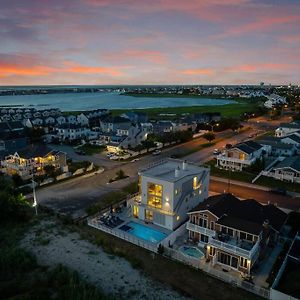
(148, 215)
(155, 195)
(176, 192)
(196, 184)
(242, 156)
(135, 211)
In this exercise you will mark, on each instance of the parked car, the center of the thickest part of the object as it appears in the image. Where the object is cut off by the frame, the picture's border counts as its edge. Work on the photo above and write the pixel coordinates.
(216, 152)
(279, 191)
(156, 152)
(80, 152)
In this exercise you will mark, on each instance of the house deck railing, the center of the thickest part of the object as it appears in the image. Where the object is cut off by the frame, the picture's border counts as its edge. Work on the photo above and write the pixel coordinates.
(234, 249)
(207, 267)
(199, 229)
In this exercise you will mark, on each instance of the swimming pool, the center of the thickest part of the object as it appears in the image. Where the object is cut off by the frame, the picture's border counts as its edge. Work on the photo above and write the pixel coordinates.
(192, 251)
(144, 232)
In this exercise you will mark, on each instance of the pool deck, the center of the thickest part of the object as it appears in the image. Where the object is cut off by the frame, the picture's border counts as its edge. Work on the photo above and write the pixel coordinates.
(126, 216)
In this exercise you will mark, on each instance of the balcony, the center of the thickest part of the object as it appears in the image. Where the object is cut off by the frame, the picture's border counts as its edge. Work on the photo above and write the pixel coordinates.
(199, 229)
(235, 247)
(236, 160)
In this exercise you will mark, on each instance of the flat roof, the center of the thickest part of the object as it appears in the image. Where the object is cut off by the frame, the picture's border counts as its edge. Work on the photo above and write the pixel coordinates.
(166, 170)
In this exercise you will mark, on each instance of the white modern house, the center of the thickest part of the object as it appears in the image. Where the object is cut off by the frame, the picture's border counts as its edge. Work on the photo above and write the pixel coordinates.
(168, 190)
(241, 155)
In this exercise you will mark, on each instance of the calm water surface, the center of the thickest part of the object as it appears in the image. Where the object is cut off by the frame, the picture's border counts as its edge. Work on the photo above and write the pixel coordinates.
(89, 101)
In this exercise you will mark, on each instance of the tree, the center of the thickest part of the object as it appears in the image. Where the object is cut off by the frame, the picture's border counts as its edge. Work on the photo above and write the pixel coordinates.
(13, 205)
(17, 180)
(209, 136)
(120, 174)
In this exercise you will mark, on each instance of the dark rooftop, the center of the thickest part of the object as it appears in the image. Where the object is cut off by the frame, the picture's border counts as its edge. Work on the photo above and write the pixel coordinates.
(292, 162)
(247, 210)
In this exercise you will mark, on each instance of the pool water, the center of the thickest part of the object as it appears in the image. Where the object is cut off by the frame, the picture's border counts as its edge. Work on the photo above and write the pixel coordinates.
(144, 232)
(192, 251)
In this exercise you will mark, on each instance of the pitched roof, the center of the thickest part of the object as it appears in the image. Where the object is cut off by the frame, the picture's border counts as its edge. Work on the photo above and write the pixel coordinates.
(290, 125)
(240, 224)
(277, 145)
(32, 151)
(293, 137)
(248, 146)
(289, 162)
(246, 210)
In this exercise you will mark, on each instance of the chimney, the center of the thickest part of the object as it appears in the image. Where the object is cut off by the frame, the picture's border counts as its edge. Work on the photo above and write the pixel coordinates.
(177, 171)
(184, 165)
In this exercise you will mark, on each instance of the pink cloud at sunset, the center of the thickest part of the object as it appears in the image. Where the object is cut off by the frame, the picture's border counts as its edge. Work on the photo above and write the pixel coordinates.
(149, 42)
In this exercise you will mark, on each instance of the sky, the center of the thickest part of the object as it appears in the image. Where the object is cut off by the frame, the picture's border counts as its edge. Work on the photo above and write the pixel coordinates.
(49, 42)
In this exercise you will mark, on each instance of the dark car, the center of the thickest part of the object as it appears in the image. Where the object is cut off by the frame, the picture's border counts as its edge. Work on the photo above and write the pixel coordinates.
(278, 191)
(80, 152)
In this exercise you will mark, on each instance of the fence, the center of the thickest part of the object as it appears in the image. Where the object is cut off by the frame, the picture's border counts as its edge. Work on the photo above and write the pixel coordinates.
(122, 235)
(235, 281)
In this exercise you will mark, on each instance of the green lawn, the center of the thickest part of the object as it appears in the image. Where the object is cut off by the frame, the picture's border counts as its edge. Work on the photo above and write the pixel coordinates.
(227, 110)
(92, 149)
(248, 177)
(234, 175)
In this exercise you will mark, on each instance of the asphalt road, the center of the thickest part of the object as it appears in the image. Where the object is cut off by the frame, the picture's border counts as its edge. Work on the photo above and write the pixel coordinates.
(75, 195)
(261, 196)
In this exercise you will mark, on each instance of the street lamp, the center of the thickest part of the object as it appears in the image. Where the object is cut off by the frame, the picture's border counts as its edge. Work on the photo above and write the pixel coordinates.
(33, 193)
(212, 126)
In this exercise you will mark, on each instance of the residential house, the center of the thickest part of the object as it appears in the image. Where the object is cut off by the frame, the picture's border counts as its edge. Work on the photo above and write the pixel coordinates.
(163, 126)
(241, 155)
(49, 121)
(71, 119)
(112, 123)
(61, 120)
(288, 169)
(126, 136)
(235, 232)
(70, 132)
(278, 148)
(292, 139)
(12, 136)
(32, 159)
(168, 190)
(286, 283)
(37, 121)
(287, 128)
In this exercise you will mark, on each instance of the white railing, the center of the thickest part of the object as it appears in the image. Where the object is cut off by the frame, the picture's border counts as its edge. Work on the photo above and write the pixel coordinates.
(122, 235)
(199, 229)
(236, 160)
(206, 267)
(234, 249)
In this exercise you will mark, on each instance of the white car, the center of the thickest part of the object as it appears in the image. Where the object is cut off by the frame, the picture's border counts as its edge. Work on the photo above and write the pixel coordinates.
(136, 159)
(156, 152)
(216, 152)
